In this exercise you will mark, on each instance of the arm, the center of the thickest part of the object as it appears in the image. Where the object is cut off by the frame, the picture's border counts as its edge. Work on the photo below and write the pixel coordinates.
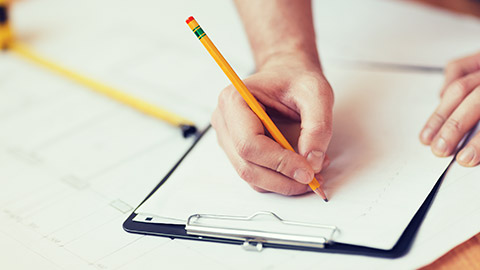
(289, 82)
(279, 27)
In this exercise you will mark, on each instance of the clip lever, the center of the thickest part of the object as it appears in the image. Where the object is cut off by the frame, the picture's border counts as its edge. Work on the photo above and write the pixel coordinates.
(254, 238)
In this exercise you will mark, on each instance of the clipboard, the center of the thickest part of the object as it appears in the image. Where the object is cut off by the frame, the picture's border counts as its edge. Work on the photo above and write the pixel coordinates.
(204, 227)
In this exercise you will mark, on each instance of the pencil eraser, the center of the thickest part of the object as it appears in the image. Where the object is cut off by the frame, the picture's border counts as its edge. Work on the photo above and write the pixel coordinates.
(189, 19)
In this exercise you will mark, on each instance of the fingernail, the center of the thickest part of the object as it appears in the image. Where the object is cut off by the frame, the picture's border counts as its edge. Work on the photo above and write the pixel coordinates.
(302, 176)
(426, 135)
(440, 146)
(315, 158)
(466, 155)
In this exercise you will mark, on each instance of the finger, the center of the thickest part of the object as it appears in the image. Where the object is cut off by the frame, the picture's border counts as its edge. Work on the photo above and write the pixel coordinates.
(257, 189)
(259, 178)
(316, 127)
(237, 113)
(265, 152)
(459, 68)
(268, 180)
(216, 120)
(454, 95)
(465, 116)
(246, 132)
(469, 156)
(263, 179)
(220, 128)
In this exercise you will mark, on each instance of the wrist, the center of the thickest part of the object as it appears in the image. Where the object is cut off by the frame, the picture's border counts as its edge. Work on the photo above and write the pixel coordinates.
(293, 59)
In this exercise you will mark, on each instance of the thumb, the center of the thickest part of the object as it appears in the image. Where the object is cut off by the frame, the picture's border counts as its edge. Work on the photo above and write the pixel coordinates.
(316, 125)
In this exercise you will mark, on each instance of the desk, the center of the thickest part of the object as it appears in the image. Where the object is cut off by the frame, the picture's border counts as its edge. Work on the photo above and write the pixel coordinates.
(467, 255)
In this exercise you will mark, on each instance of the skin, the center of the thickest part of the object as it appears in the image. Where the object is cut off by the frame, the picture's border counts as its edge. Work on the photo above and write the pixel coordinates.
(290, 84)
(457, 113)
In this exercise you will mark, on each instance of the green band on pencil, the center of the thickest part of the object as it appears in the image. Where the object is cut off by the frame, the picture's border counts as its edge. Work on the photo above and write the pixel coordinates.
(199, 32)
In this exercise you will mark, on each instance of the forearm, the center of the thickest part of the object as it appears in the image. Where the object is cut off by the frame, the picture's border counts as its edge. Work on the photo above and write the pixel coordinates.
(279, 27)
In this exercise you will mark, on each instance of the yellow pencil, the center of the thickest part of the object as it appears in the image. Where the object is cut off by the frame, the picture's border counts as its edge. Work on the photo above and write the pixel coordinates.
(247, 96)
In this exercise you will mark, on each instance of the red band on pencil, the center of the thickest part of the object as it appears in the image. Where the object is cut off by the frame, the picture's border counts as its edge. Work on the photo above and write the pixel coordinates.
(189, 19)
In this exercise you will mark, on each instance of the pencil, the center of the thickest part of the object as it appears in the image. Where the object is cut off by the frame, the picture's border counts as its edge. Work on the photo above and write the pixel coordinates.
(247, 96)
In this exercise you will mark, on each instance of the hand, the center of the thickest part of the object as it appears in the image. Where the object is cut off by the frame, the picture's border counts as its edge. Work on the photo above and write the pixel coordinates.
(287, 88)
(458, 112)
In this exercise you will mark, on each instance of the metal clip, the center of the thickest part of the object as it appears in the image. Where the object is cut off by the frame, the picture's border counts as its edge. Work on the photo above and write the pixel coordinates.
(254, 238)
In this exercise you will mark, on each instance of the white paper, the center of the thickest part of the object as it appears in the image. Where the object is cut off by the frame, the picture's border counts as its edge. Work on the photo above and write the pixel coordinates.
(380, 172)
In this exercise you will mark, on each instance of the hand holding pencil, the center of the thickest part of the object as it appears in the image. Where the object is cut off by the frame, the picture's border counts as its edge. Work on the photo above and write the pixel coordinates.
(259, 160)
(263, 163)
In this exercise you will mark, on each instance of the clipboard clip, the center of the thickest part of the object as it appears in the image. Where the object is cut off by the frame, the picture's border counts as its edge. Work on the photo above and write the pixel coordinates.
(275, 230)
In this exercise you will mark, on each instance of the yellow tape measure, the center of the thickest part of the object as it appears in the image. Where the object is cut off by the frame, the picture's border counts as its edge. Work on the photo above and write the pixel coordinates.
(7, 42)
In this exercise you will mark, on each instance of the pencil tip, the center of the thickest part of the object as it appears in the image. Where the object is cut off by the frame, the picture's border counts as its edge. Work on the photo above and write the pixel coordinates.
(320, 193)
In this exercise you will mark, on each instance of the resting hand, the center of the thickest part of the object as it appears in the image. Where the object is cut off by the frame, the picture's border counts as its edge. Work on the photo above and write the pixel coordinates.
(458, 112)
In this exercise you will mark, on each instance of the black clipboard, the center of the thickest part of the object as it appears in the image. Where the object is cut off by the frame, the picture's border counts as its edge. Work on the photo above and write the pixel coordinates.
(401, 247)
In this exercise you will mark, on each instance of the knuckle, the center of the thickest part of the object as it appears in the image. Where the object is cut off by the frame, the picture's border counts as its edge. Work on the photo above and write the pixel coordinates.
(282, 161)
(453, 124)
(308, 80)
(245, 173)
(436, 119)
(317, 83)
(225, 97)
(452, 65)
(325, 90)
(459, 88)
(244, 149)
(222, 99)
(288, 190)
(323, 128)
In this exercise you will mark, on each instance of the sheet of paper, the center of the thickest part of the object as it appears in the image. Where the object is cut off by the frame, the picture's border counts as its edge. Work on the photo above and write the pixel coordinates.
(379, 176)
(453, 218)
